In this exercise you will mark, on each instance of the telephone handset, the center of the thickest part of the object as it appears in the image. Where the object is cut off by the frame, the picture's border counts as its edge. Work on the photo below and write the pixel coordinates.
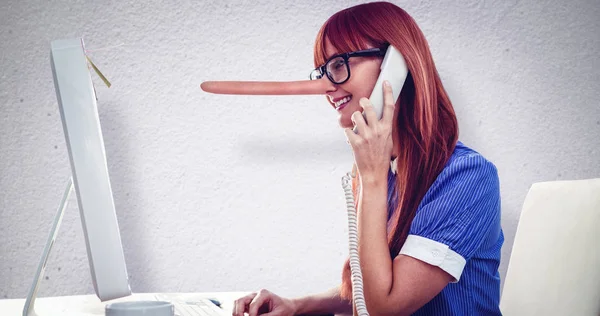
(394, 69)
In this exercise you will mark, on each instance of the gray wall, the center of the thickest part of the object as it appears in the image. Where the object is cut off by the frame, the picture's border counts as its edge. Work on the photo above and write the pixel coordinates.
(219, 193)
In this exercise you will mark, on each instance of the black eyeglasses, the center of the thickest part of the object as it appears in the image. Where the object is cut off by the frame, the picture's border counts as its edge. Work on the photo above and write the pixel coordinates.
(337, 69)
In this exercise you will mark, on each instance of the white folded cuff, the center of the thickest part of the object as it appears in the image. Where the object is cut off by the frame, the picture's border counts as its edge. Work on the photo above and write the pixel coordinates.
(434, 253)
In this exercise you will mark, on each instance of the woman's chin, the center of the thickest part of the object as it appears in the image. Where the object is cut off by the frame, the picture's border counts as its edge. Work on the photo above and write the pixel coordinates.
(345, 115)
(345, 122)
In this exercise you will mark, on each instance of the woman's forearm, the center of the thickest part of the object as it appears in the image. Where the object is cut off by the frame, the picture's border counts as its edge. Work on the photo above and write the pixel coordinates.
(373, 248)
(328, 302)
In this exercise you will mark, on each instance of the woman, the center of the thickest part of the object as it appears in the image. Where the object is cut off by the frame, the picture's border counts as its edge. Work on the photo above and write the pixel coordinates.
(429, 221)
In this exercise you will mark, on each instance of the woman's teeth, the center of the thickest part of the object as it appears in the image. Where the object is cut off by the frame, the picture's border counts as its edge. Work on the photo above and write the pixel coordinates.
(341, 102)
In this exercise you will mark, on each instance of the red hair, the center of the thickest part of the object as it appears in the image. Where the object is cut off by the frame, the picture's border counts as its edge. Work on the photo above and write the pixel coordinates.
(427, 128)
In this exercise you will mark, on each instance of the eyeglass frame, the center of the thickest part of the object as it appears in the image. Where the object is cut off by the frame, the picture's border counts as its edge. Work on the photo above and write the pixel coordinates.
(371, 52)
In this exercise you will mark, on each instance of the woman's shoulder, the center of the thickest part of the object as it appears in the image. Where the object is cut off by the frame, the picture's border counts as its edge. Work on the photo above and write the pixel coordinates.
(467, 188)
(462, 151)
(467, 169)
(465, 158)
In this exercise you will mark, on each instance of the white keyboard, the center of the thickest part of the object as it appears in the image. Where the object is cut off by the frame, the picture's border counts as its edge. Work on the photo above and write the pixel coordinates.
(194, 307)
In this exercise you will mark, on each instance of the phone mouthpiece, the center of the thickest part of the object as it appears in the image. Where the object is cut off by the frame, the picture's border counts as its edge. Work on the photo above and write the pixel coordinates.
(301, 87)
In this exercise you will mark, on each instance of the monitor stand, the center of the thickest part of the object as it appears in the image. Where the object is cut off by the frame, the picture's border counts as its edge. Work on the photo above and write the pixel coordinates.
(28, 308)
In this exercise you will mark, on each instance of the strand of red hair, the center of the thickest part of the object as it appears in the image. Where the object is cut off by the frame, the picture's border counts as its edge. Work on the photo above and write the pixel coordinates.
(427, 128)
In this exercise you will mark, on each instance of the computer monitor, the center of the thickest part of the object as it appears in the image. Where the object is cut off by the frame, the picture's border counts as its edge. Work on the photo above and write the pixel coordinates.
(89, 174)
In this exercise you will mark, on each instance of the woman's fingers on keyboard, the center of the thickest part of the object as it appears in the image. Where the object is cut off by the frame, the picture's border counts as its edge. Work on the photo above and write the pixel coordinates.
(242, 305)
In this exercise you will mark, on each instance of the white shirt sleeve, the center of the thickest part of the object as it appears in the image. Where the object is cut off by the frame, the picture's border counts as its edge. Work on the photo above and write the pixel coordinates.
(434, 253)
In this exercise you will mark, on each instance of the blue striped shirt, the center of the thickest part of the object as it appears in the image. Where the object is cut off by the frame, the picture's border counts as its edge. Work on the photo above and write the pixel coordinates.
(457, 228)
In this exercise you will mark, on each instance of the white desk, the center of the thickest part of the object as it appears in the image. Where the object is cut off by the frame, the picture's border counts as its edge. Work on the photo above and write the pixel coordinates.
(88, 305)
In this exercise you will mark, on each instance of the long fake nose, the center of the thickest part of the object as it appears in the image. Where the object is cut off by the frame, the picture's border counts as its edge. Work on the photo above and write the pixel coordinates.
(302, 87)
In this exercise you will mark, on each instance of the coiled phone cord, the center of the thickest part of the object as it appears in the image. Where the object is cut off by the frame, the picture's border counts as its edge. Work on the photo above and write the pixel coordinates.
(356, 274)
